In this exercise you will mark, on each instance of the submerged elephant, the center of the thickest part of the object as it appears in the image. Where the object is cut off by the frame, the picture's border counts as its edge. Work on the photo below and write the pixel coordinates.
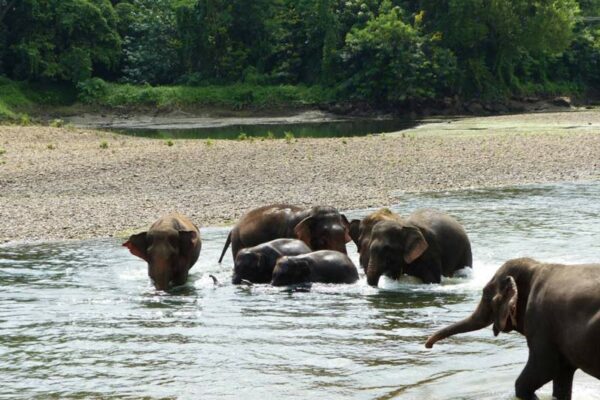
(428, 245)
(170, 247)
(255, 264)
(325, 266)
(321, 228)
(556, 307)
(360, 232)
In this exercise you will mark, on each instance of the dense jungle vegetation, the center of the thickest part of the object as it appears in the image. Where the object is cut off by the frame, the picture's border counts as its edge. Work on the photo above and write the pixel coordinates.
(383, 52)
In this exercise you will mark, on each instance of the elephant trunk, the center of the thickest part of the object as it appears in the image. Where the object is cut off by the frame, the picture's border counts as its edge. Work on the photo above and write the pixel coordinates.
(480, 318)
(373, 274)
(161, 274)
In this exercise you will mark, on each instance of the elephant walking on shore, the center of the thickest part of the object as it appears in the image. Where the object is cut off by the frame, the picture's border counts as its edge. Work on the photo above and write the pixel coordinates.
(556, 307)
(428, 244)
(170, 247)
(320, 227)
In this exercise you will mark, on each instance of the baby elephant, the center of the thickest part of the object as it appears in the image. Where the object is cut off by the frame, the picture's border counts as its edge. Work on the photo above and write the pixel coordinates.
(326, 266)
(170, 247)
(255, 264)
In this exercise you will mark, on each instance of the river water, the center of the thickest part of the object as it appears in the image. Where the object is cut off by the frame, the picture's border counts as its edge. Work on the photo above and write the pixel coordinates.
(81, 319)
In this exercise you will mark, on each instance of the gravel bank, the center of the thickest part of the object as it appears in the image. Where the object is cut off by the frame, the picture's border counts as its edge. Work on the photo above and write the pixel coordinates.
(59, 183)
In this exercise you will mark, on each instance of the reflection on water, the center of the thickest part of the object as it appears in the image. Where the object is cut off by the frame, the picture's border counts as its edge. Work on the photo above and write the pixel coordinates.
(81, 319)
(338, 128)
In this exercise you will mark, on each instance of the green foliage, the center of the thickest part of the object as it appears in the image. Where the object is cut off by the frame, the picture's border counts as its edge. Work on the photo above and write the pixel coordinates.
(169, 143)
(61, 39)
(264, 53)
(51, 146)
(288, 136)
(57, 123)
(389, 61)
(104, 145)
(150, 41)
(242, 136)
(2, 151)
(92, 89)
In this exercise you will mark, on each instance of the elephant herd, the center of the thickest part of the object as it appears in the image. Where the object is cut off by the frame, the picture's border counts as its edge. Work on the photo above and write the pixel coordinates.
(556, 307)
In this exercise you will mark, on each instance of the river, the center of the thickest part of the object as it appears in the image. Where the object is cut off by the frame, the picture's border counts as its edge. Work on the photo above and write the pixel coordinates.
(80, 319)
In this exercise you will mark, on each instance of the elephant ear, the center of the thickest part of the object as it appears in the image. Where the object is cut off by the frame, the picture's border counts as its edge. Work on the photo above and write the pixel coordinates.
(354, 231)
(137, 245)
(186, 241)
(346, 224)
(302, 230)
(414, 245)
(506, 306)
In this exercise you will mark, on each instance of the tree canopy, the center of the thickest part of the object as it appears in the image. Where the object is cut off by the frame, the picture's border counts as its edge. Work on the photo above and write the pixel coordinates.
(384, 51)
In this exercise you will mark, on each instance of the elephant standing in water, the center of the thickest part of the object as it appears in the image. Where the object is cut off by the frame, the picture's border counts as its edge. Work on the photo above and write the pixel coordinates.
(428, 245)
(255, 264)
(360, 232)
(170, 247)
(325, 266)
(556, 307)
(321, 228)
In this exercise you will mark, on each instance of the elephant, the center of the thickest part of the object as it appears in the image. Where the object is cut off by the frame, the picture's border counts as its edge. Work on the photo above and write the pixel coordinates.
(360, 232)
(170, 247)
(556, 307)
(321, 228)
(255, 264)
(429, 244)
(325, 266)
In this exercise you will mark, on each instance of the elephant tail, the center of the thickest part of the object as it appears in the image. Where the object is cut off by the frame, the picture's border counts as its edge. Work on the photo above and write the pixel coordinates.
(227, 243)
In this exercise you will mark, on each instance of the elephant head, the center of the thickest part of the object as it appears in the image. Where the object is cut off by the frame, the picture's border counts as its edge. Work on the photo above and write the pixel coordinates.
(360, 232)
(168, 254)
(324, 229)
(502, 304)
(250, 266)
(290, 271)
(393, 245)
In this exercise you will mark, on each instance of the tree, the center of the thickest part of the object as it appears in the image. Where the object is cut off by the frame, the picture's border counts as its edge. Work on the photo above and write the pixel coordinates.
(390, 62)
(61, 40)
(150, 41)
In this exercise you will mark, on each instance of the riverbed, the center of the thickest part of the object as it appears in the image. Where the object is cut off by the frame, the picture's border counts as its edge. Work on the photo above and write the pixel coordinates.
(80, 319)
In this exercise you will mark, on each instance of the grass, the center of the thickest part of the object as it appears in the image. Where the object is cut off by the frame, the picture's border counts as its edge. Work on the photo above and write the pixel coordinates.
(104, 145)
(24, 98)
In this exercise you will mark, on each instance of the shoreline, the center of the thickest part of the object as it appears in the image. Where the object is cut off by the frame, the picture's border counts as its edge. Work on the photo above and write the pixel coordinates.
(70, 183)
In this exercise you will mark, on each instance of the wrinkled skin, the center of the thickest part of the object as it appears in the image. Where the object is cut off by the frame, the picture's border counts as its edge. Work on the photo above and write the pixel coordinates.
(170, 247)
(325, 266)
(321, 228)
(255, 264)
(360, 232)
(428, 245)
(556, 307)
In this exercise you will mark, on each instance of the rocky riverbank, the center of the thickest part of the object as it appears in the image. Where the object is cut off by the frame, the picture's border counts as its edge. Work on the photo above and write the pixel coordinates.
(65, 183)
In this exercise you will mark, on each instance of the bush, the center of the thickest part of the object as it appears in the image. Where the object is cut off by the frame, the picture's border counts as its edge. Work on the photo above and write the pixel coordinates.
(90, 90)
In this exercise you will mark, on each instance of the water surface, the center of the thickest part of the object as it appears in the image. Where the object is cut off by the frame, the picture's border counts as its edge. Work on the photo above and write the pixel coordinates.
(81, 320)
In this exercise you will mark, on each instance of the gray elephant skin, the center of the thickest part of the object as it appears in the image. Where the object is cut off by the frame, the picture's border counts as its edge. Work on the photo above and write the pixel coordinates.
(428, 244)
(556, 307)
(325, 266)
(320, 227)
(255, 264)
(170, 247)
(360, 232)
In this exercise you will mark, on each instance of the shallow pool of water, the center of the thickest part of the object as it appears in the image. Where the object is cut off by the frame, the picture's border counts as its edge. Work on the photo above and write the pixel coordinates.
(81, 319)
(336, 128)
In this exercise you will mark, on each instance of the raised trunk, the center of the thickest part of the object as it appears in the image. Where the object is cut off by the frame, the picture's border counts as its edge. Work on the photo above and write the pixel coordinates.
(480, 318)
